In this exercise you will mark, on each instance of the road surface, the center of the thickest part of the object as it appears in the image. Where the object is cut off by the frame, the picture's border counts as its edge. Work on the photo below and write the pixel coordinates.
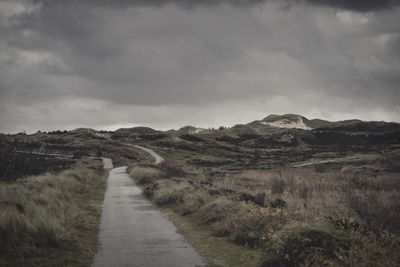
(107, 163)
(133, 232)
(157, 158)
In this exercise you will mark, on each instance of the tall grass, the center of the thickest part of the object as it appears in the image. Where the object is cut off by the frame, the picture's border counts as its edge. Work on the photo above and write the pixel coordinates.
(311, 218)
(373, 199)
(50, 212)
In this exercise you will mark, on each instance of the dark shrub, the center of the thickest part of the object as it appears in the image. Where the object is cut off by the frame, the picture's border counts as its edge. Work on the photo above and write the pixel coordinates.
(309, 243)
(170, 170)
(277, 203)
(277, 185)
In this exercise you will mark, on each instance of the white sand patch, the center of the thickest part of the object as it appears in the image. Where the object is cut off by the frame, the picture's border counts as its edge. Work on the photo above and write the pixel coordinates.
(196, 130)
(285, 123)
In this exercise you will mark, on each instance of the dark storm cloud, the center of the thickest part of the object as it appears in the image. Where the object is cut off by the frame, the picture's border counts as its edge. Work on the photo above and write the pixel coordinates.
(186, 3)
(102, 63)
(356, 5)
(151, 63)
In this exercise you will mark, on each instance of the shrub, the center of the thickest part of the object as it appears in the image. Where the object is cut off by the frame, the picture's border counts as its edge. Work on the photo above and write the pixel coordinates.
(170, 169)
(248, 239)
(243, 225)
(277, 203)
(144, 174)
(391, 161)
(310, 247)
(193, 201)
(310, 241)
(170, 192)
(277, 185)
(215, 211)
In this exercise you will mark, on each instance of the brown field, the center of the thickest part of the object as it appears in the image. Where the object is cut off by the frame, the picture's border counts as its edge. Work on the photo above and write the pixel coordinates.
(291, 216)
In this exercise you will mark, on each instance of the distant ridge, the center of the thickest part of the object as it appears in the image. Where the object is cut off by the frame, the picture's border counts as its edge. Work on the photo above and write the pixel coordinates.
(269, 123)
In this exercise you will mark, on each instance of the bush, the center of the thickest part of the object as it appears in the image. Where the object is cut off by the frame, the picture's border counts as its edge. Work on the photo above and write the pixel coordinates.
(277, 185)
(144, 174)
(391, 161)
(170, 169)
(243, 225)
(193, 201)
(170, 192)
(310, 247)
(215, 211)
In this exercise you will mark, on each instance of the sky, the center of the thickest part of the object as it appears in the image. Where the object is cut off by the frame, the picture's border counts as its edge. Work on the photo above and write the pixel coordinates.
(169, 63)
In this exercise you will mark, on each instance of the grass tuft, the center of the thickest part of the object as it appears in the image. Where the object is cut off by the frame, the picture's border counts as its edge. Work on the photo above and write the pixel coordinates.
(144, 174)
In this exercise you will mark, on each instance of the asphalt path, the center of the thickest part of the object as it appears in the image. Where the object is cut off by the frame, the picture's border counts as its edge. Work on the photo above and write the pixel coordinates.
(133, 232)
(107, 163)
(157, 158)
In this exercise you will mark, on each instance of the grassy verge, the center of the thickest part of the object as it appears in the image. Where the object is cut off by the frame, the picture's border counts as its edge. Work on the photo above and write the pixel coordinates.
(52, 219)
(218, 252)
(286, 217)
(170, 194)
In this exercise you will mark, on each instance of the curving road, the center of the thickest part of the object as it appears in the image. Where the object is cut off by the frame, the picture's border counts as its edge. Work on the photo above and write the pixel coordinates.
(133, 232)
(157, 158)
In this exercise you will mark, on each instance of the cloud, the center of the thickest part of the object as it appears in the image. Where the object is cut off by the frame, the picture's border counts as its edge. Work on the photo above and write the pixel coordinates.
(358, 5)
(354, 5)
(166, 65)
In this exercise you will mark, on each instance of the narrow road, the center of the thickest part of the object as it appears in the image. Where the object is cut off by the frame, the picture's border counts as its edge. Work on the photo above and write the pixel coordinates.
(311, 163)
(157, 158)
(133, 232)
(107, 163)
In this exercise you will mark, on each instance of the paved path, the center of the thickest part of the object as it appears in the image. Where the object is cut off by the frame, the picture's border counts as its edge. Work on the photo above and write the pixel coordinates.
(133, 232)
(157, 158)
(107, 163)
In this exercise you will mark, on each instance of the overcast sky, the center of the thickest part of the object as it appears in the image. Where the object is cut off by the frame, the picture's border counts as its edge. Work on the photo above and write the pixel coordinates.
(165, 64)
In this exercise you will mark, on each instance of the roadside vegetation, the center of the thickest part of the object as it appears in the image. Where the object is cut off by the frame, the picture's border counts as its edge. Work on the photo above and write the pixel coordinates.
(15, 166)
(52, 219)
(283, 217)
(78, 143)
(230, 191)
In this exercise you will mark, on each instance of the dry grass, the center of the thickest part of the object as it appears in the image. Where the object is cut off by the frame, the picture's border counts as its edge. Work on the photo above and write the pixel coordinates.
(51, 219)
(311, 219)
(370, 199)
(144, 174)
(193, 200)
(170, 168)
(170, 192)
